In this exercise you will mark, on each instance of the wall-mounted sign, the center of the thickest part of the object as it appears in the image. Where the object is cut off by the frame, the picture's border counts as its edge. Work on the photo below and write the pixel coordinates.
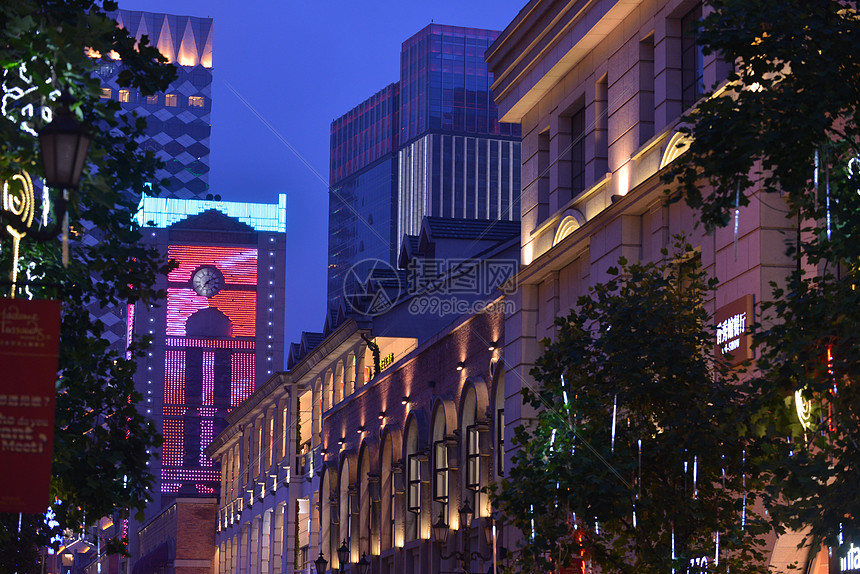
(733, 341)
(386, 361)
(29, 344)
(845, 559)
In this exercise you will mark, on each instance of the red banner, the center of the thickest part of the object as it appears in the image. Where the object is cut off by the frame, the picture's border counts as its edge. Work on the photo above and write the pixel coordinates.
(29, 344)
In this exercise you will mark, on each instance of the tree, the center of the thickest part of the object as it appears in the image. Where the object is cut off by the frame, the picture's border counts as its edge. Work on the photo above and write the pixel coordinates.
(101, 441)
(784, 131)
(634, 461)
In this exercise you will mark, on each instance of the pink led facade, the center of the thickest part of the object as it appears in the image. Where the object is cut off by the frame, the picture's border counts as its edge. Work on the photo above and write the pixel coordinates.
(213, 369)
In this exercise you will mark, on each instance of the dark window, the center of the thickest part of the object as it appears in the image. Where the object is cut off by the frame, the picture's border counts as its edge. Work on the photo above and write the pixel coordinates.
(500, 441)
(440, 471)
(413, 478)
(473, 459)
(692, 64)
(577, 152)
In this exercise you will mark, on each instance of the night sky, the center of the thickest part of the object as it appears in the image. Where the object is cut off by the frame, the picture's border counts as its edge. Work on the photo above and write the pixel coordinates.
(300, 65)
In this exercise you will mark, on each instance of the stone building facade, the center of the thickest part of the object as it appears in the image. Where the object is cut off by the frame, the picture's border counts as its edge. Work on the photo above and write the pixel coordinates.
(599, 89)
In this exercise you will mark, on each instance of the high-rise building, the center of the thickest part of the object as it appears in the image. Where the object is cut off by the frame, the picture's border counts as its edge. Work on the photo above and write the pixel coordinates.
(177, 120)
(428, 145)
(218, 333)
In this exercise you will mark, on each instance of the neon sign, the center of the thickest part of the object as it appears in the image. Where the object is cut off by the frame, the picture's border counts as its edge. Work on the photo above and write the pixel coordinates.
(19, 202)
(13, 105)
(851, 561)
(732, 335)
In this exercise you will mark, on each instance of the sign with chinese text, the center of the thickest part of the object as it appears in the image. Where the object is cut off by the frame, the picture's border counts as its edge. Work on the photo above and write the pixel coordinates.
(733, 330)
(29, 344)
(845, 559)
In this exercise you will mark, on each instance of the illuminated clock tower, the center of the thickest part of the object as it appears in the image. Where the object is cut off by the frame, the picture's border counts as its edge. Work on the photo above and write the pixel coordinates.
(217, 335)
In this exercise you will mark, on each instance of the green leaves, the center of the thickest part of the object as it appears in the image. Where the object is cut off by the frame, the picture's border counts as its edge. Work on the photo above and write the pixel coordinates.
(785, 132)
(639, 443)
(101, 440)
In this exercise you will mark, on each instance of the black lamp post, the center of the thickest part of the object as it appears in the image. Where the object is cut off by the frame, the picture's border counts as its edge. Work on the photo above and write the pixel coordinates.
(466, 514)
(343, 554)
(440, 529)
(321, 563)
(440, 532)
(364, 565)
(64, 143)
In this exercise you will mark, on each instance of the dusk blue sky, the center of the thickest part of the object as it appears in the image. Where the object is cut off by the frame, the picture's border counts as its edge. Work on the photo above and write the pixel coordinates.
(300, 65)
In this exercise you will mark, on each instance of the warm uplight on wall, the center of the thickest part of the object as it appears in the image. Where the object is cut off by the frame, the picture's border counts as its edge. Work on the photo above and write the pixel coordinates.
(623, 178)
(461, 365)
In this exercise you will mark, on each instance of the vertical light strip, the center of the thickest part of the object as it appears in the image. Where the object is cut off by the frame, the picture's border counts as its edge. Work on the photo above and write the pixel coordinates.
(501, 185)
(208, 378)
(511, 183)
(477, 179)
(489, 187)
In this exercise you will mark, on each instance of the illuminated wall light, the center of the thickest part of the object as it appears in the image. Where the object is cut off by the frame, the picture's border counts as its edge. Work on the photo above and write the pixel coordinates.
(360, 429)
(461, 365)
(493, 346)
(404, 401)
(381, 415)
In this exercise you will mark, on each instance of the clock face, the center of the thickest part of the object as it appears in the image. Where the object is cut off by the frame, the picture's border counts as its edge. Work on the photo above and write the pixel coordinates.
(207, 281)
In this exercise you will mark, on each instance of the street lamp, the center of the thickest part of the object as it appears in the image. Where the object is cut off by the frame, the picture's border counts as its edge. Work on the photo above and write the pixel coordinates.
(440, 529)
(363, 565)
(466, 514)
(321, 563)
(343, 553)
(64, 144)
(440, 532)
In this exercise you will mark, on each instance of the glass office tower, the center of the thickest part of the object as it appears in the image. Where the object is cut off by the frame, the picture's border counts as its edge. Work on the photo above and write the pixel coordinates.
(430, 144)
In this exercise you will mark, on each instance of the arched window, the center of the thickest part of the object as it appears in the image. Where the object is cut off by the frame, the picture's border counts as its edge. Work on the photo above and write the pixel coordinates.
(318, 409)
(338, 383)
(365, 508)
(350, 374)
(328, 391)
(440, 467)
(307, 428)
(326, 546)
(388, 495)
(345, 503)
(475, 451)
(499, 425)
(413, 483)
